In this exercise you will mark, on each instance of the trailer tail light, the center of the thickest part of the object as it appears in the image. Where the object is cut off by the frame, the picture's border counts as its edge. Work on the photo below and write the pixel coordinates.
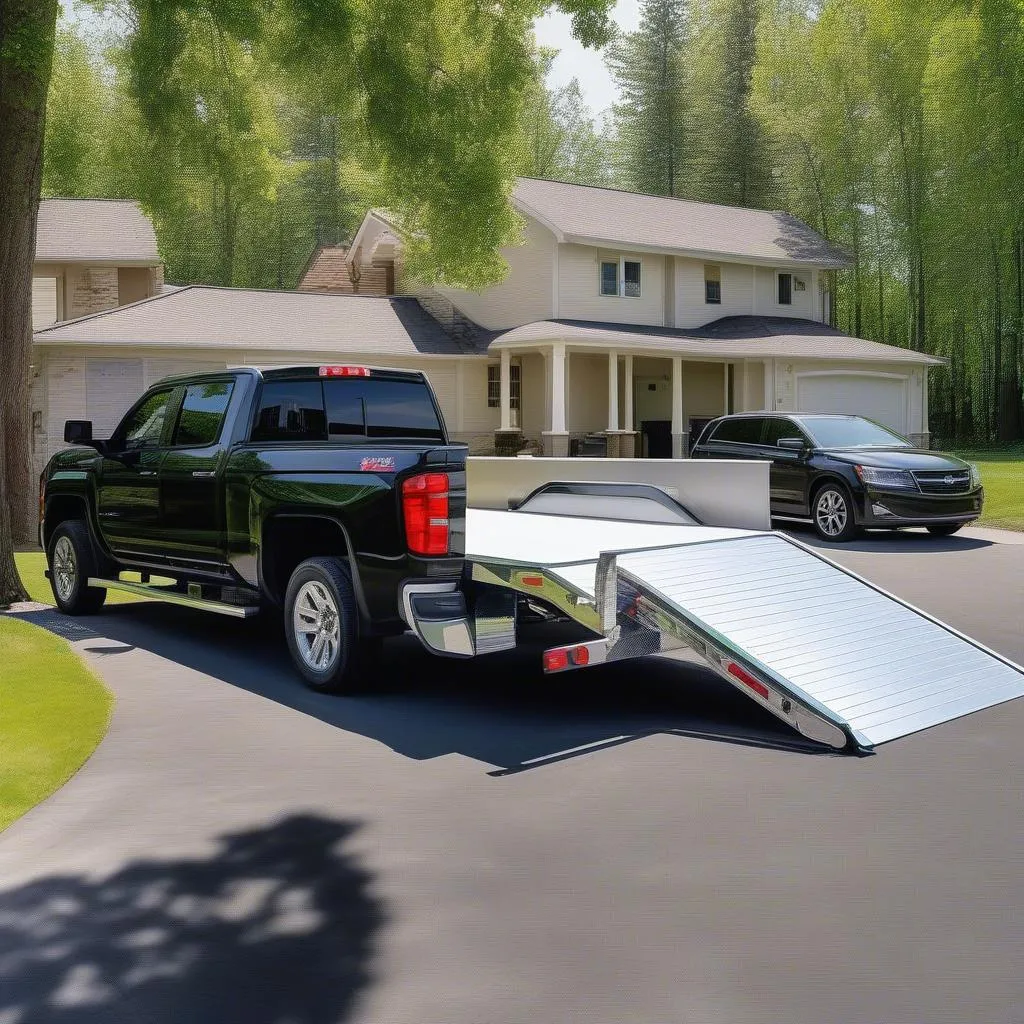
(747, 679)
(556, 660)
(532, 581)
(344, 371)
(425, 508)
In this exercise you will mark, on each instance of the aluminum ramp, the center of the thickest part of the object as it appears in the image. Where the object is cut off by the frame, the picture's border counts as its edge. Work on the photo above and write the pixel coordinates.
(838, 659)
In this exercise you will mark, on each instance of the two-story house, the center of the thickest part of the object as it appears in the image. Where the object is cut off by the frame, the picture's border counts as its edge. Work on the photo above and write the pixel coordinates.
(641, 317)
(634, 317)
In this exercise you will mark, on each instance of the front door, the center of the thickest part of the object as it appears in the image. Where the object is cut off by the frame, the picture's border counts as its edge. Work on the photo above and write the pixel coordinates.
(128, 477)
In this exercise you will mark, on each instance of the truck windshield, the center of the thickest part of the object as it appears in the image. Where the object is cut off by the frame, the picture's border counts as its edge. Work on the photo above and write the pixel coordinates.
(355, 409)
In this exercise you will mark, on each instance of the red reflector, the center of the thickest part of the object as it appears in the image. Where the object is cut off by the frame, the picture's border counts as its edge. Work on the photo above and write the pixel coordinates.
(425, 508)
(555, 661)
(580, 656)
(747, 679)
(344, 371)
(532, 581)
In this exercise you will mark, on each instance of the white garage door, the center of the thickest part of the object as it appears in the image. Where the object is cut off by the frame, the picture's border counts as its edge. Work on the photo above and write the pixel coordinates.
(883, 399)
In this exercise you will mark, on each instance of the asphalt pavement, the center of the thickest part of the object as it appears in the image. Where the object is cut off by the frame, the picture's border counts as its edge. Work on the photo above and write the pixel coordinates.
(476, 844)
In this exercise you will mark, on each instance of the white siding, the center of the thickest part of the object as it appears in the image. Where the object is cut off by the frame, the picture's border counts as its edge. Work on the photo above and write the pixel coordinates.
(477, 417)
(768, 295)
(588, 392)
(111, 386)
(580, 298)
(737, 292)
(527, 292)
(44, 302)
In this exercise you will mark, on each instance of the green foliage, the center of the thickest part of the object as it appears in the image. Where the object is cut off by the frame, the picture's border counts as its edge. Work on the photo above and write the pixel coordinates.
(652, 118)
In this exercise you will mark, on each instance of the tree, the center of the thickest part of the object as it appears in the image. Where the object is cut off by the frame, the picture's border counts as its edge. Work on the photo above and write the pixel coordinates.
(651, 119)
(437, 87)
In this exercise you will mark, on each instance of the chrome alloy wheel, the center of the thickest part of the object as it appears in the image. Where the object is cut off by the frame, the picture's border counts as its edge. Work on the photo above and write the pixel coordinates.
(65, 568)
(831, 513)
(317, 626)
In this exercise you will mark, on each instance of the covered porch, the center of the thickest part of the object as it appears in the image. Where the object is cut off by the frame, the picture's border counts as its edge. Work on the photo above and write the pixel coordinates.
(566, 388)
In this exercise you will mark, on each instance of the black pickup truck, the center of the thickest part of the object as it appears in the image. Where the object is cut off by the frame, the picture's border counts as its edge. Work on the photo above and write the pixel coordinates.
(330, 493)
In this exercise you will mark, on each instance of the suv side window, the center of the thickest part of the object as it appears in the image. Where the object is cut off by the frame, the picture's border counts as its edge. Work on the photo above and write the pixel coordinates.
(202, 413)
(291, 410)
(746, 430)
(143, 427)
(778, 428)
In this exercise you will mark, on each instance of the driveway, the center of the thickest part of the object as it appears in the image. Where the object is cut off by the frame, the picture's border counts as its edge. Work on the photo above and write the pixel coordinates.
(478, 845)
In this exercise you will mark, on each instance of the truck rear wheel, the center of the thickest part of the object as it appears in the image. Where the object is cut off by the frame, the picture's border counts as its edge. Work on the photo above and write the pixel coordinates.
(322, 626)
(72, 560)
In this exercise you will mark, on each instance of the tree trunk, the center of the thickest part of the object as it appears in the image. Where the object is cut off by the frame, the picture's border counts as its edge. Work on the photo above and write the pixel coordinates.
(27, 30)
(997, 349)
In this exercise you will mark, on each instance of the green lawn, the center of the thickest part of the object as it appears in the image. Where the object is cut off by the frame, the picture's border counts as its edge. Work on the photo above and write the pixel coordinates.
(31, 565)
(55, 712)
(1003, 479)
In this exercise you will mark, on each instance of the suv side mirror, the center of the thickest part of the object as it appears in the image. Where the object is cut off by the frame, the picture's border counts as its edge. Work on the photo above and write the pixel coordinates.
(78, 431)
(793, 444)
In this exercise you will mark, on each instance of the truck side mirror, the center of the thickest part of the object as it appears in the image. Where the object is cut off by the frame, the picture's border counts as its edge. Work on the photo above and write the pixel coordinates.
(793, 444)
(78, 431)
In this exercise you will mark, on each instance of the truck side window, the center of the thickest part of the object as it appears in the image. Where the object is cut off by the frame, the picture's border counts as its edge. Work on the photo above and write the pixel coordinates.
(291, 410)
(144, 425)
(202, 413)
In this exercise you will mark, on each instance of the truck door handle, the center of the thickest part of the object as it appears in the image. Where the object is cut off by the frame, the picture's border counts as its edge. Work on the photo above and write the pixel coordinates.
(204, 472)
(147, 472)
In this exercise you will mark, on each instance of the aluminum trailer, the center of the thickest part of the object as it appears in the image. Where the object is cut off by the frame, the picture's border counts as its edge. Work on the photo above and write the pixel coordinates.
(835, 657)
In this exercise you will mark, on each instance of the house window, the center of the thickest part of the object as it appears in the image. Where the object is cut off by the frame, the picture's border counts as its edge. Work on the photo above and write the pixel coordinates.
(494, 385)
(631, 278)
(712, 285)
(620, 277)
(785, 289)
(609, 277)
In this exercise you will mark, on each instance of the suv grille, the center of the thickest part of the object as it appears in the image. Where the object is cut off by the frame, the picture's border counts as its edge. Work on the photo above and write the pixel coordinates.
(955, 481)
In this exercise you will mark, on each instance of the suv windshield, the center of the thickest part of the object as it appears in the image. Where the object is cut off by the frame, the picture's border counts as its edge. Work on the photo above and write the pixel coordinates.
(850, 432)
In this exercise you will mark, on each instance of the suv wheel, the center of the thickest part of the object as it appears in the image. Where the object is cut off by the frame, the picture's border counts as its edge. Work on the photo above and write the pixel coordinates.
(322, 625)
(833, 514)
(72, 561)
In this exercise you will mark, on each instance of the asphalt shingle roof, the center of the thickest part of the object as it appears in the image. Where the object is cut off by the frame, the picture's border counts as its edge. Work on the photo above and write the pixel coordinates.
(592, 215)
(94, 231)
(734, 337)
(245, 318)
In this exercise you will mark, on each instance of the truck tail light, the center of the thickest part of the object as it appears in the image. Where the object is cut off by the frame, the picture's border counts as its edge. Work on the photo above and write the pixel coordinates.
(344, 371)
(425, 508)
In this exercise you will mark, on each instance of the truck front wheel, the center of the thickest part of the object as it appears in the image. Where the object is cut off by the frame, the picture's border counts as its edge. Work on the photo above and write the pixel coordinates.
(322, 625)
(72, 560)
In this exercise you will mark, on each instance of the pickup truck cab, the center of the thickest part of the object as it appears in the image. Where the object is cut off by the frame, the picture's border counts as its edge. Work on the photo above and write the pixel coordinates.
(323, 492)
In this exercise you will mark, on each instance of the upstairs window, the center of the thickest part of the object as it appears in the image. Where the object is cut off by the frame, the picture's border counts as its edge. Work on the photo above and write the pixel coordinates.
(712, 285)
(631, 278)
(494, 385)
(785, 289)
(620, 277)
(609, 277)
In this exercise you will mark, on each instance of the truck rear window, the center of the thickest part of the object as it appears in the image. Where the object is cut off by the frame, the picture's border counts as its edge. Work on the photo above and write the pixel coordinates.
(354, 409)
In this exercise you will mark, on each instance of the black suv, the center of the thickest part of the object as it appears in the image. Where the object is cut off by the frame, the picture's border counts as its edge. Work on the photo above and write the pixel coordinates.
(845, 473)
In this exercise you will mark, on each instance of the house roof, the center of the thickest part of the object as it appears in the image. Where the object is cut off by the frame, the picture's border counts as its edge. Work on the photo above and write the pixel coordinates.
(250, 319)
(94, 231)
(594, 215)
(734, 337)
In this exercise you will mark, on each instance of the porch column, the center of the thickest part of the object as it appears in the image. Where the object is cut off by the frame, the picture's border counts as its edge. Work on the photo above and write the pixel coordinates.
(506, 389)
(744, 402)
(627, 423)
(678, 430)
(725, 389)
(769, 385)
(613, 390)
(558, 388)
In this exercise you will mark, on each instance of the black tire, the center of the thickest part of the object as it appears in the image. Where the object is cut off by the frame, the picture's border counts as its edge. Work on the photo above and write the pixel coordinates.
(832, 513)
(323, 588)
(945, 529)
(71, 559)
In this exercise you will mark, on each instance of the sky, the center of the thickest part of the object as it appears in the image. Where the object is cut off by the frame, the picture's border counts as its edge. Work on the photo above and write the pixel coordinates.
(574, 61)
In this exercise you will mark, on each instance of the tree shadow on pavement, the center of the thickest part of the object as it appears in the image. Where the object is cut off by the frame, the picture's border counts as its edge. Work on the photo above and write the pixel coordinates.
(276, 926)
(498, 709)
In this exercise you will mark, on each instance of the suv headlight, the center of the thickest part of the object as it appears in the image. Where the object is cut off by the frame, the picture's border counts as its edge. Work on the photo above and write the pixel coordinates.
(892, 479)
(975, 476)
